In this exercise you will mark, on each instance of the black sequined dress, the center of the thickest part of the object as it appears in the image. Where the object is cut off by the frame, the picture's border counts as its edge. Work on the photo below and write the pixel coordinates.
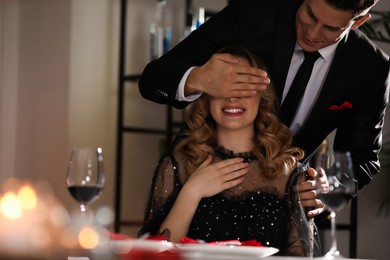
(260, 208)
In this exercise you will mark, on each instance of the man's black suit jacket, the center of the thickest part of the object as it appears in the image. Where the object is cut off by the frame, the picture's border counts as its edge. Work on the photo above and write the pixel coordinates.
(353, 98)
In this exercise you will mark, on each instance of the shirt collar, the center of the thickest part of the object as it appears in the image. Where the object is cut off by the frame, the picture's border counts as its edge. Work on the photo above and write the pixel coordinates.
(327, 53)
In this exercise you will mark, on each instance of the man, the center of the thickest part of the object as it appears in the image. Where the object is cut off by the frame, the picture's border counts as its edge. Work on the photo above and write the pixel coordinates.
(348, 88)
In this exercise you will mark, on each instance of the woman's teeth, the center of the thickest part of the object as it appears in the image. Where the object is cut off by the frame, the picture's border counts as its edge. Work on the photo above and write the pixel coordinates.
(233, 110)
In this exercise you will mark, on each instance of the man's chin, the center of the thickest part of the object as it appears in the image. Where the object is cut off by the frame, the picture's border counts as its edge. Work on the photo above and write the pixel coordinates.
(309, 46)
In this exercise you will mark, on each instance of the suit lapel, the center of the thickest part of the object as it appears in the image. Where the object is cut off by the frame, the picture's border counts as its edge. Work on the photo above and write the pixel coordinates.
(284, 48)
(337, 86)
(334, 82)
(285, 38)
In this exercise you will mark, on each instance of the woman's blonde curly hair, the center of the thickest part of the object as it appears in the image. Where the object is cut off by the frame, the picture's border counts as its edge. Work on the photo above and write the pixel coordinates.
(272, 138)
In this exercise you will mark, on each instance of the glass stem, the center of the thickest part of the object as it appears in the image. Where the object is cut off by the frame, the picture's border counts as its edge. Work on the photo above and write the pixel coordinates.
(82, 208)
(333, 250)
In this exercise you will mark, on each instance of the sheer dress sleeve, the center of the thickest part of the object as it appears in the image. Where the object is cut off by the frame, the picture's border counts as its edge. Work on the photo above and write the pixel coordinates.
(162, 195)
(301, 231)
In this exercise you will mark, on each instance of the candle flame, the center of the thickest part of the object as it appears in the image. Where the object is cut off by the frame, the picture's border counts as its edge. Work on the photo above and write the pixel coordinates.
(10, 206)
(27, 197)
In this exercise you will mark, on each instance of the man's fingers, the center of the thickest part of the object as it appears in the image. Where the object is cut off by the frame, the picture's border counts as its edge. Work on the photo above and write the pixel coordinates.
(313, 202)
(224, 77)
(311, 173)
(249, 80)
(242, 73)
(315, 212)
(249, 75)
(245, 70)
(225, 57)
(248, 91)
(306, 186)
(308, 195)
(315, 205)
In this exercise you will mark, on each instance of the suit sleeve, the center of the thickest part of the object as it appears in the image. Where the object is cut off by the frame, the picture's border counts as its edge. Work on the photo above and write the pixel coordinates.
(362, 134)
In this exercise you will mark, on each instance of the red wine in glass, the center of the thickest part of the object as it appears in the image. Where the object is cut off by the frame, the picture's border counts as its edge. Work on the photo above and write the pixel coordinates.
(85, 194)
(85, 176)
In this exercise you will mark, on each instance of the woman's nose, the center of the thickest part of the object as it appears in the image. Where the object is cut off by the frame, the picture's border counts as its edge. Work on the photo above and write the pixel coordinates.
(232, 99)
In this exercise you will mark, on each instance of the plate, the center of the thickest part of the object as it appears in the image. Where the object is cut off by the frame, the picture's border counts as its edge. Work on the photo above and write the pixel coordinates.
(124, 246)
(226, 251)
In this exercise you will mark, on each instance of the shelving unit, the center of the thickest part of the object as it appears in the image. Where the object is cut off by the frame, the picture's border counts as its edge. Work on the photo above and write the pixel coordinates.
(122, 129)
(168, 133)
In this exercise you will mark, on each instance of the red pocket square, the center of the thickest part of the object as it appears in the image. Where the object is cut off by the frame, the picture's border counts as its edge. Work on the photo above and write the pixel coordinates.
(345, 105)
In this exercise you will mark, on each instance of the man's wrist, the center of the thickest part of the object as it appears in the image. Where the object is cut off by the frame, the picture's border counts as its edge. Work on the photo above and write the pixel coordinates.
(192, 85)
(180, 93)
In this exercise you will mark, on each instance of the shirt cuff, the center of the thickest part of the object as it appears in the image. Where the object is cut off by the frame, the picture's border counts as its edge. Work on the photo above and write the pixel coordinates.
(180, 90)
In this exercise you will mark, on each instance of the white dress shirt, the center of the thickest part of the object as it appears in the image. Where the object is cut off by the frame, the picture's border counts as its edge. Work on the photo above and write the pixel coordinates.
(317, 78)
(180, 90)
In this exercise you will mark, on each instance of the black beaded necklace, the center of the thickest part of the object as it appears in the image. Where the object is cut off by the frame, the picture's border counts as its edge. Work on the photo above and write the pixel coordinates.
(229, 154)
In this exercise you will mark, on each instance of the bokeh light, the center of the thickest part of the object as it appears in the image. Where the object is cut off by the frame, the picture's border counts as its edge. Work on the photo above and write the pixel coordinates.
(27, 197)
(88, 238)
(10, 206)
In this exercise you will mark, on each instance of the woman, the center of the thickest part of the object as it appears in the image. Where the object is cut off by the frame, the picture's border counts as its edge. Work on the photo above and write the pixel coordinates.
(233, 177)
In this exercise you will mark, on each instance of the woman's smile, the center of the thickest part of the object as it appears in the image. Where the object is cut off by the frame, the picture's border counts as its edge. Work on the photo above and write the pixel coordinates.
(233, 111)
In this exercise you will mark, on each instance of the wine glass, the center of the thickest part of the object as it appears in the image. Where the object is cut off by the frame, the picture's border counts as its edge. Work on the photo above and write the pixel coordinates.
(339, 188)
(85, 176)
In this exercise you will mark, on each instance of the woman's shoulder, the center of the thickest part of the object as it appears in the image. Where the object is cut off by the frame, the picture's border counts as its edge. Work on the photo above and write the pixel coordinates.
(176, 161)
